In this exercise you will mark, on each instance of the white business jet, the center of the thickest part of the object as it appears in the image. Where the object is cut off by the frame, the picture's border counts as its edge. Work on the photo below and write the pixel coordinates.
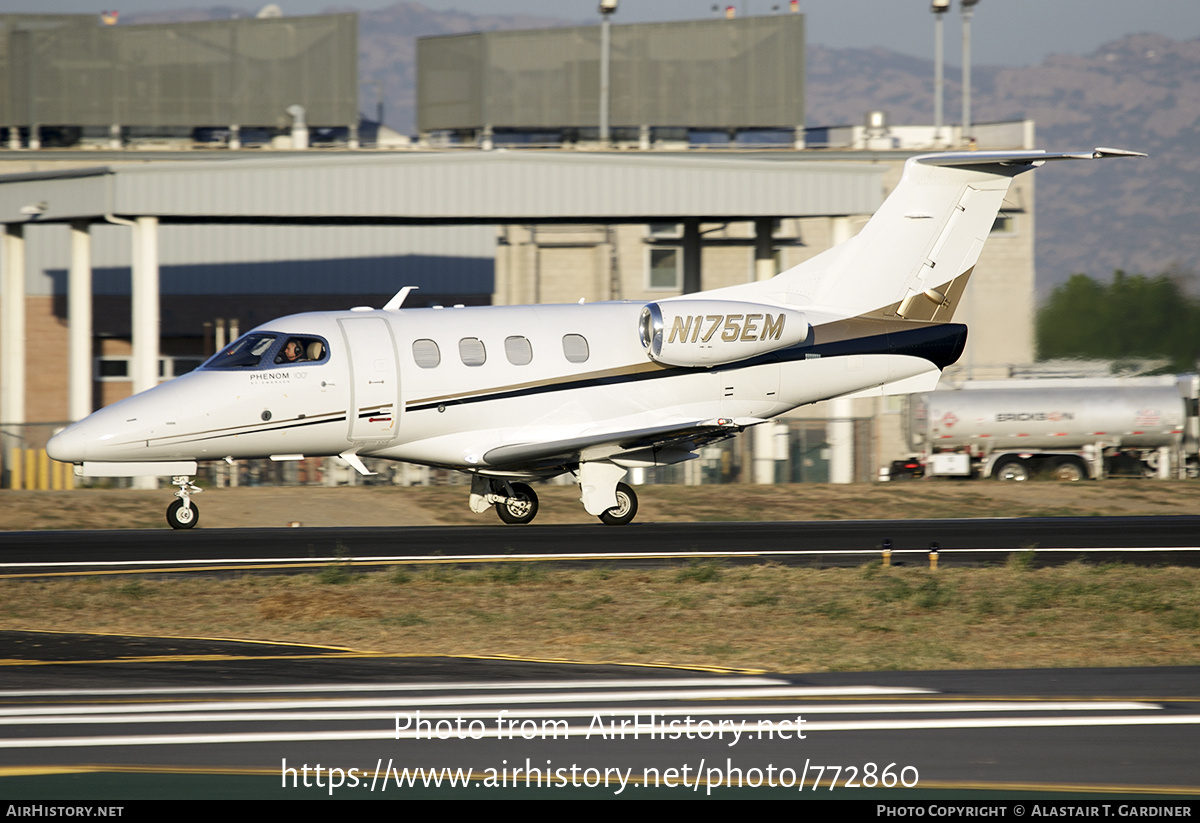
(516, 393)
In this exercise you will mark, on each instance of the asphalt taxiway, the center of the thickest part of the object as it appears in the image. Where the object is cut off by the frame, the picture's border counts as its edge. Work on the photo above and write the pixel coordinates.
(1143, 540)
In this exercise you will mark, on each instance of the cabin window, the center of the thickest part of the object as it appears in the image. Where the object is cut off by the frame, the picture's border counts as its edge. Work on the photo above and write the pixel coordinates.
(575, 348)
(472, 352)
(518, 350)
(427, 354)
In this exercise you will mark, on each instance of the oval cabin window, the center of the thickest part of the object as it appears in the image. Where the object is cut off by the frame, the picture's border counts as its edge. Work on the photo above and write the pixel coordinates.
(471, 350)
(427, 354)
(575, 348)
(518, 350)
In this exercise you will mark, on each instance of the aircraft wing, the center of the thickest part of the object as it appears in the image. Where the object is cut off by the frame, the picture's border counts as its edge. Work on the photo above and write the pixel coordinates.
(687, 436)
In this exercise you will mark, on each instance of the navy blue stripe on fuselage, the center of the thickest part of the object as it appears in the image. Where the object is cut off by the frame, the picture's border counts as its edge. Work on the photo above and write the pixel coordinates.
(941, 345)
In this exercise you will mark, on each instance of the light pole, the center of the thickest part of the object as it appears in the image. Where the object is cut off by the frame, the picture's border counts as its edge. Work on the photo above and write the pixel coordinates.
(939, 8)
(607, 7)
(968, 9)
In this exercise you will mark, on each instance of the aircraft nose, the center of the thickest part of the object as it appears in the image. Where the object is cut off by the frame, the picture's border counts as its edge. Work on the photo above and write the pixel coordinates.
(68, 446)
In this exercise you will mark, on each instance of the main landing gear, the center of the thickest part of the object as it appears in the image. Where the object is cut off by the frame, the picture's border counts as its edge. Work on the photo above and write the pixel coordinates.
(183, 513)
(520, 507)
(613, 502)
(515, 503)
(625, 509)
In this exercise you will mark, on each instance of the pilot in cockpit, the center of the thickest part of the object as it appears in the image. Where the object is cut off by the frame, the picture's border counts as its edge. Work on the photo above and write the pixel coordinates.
(300, 350)
(292, 352)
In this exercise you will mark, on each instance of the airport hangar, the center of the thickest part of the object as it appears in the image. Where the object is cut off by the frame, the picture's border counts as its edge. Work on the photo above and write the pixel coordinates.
(50, 211)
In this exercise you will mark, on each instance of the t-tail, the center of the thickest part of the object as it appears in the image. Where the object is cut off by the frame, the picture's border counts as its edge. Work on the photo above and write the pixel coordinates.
(913, 258)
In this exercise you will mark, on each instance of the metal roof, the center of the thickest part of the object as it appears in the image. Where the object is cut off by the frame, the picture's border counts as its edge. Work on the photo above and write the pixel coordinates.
(448, 187)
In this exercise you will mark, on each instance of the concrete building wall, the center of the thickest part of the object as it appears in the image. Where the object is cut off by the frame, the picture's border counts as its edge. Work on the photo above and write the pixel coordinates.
(45, 361)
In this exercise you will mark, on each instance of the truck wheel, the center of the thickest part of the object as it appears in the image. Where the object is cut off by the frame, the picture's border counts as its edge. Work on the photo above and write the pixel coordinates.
(1011, 469)
(1068, 471)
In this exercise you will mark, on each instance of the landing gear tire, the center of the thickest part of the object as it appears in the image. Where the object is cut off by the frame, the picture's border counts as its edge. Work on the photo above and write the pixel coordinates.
(521, 508)
(625, 509)
(1014, 469)
(180, 518)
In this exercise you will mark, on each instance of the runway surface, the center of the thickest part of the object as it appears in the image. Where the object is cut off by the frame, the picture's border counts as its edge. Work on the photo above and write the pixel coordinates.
(109, 718)
(1148, 540)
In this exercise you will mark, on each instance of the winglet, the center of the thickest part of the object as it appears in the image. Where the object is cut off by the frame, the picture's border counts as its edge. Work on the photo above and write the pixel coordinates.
(1103, 152)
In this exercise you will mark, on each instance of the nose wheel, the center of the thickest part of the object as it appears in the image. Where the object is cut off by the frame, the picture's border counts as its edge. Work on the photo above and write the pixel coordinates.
(183, 513)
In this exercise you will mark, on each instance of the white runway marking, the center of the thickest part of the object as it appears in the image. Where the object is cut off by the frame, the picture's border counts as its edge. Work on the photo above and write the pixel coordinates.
(391, 711)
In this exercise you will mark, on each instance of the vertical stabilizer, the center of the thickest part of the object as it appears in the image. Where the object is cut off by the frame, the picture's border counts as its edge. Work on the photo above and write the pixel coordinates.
(913, 257)
(916, 252)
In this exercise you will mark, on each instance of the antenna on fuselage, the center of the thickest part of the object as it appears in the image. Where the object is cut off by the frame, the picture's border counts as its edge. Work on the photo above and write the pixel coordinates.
(398, 299)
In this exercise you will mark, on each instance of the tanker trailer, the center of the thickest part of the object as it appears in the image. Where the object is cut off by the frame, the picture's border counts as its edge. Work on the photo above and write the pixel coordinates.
(1070, 432)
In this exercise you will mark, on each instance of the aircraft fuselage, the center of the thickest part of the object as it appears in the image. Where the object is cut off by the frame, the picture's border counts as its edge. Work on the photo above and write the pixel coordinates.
(444, 386)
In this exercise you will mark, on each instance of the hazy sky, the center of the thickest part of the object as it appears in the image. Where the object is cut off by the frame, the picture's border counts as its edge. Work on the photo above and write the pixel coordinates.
(1009, 32)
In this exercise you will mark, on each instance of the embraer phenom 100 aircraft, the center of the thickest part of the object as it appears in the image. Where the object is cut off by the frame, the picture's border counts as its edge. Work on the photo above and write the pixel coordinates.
(516, 393)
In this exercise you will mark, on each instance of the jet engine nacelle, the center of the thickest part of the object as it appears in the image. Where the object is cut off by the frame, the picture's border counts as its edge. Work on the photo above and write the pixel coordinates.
(714, 332)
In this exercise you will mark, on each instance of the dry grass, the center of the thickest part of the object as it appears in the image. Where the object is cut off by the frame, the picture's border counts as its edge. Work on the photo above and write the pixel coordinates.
(758, 617)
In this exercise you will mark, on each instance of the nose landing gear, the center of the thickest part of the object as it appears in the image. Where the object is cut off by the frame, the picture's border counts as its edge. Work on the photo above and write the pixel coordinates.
(183, 513)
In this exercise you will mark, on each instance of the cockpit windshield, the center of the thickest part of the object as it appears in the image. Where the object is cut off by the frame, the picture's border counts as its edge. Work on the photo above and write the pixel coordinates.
(264, 350)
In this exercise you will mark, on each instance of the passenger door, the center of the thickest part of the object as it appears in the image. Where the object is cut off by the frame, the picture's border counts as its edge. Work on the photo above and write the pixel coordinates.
(374, 379)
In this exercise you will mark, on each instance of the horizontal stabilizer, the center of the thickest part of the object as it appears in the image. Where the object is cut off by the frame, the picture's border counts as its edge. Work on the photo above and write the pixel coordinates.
(1019, 158)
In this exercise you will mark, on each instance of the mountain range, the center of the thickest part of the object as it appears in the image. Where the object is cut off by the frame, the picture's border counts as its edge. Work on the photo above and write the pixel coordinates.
(1140, 92)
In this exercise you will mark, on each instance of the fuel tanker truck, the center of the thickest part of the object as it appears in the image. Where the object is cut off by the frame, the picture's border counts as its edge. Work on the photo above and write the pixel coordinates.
(1068, 429)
